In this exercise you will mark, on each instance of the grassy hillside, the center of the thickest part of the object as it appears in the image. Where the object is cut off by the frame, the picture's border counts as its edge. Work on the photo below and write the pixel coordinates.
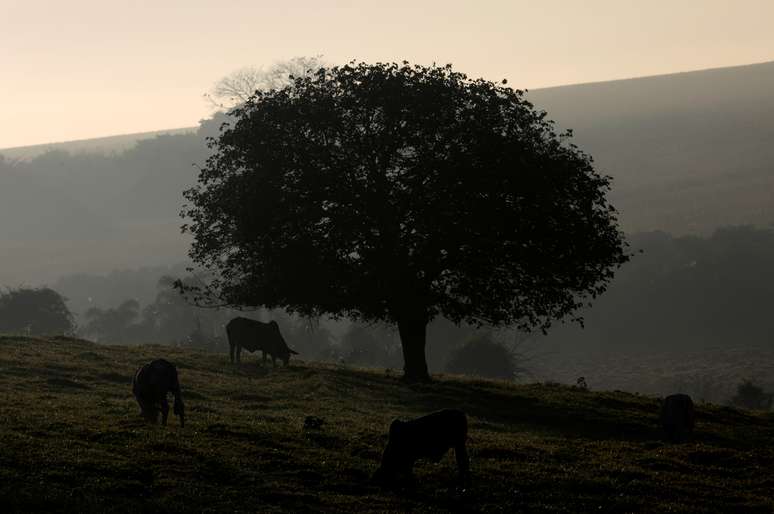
(72, 440)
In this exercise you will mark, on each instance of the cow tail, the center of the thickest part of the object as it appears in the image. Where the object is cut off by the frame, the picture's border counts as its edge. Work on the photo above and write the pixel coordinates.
(134, 383)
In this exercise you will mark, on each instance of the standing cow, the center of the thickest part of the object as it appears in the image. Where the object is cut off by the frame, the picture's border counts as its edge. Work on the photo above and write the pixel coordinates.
(150, 386)
(677, 417)
(255, 335)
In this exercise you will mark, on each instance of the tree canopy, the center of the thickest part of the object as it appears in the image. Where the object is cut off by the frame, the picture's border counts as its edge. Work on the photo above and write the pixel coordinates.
(35, 311)
(398, 193)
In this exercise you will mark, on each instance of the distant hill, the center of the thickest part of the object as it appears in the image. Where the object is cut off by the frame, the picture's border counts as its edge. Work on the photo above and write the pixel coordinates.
(101, 145)
(63, 213)
(688, 152)
(73, 441)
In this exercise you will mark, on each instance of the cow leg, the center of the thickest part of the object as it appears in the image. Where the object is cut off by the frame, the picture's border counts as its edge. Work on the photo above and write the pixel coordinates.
(238, 354)
(273, 361)
(264, 357)
(231, 352)
(164, 411)
(463, 464)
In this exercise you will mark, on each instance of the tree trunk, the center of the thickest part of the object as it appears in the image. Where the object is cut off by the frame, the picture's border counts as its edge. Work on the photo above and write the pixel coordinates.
(412, 339)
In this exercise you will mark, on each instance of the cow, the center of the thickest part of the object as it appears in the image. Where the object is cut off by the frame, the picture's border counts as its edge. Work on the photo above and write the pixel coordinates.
(150, 386)
(677, 416)
(255, 335)
(428, 437)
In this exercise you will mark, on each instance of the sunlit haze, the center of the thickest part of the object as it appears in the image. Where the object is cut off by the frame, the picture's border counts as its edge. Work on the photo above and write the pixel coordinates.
(88, 68)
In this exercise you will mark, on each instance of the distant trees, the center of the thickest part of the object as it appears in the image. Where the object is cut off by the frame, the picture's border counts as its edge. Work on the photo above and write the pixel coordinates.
(169, 318)
(398, 193)
(692, 293)
(115, 325)
(373, 346)
(34, 311)
(236, 87)
(312, 340)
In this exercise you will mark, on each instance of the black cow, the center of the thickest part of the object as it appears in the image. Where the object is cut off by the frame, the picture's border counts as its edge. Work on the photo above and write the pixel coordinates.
(255, 335)
(150, 386)
(428, 437)
(677, 417)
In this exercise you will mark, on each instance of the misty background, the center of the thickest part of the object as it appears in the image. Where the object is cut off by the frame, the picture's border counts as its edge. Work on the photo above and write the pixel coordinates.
(692, 159)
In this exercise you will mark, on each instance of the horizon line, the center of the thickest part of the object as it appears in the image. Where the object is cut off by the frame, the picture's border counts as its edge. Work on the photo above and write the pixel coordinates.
(541, 88)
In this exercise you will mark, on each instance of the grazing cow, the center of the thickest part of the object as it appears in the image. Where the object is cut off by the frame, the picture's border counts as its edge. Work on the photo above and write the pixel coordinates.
(428, 437)
(677, 416)
(150, 386)
(254, 335)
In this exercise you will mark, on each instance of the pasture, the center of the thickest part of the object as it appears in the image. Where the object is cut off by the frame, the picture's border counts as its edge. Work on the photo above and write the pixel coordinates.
(71, 439)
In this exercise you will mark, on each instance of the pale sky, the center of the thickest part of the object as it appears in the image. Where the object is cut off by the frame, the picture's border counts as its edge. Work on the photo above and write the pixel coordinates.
(78, 69)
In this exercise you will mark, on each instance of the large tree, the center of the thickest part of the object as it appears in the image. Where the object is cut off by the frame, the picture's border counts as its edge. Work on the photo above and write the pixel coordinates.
(399, 193)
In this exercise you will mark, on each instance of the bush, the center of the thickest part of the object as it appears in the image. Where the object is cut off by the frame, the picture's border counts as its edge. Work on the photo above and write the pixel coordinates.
(482, 356)
(751, 396)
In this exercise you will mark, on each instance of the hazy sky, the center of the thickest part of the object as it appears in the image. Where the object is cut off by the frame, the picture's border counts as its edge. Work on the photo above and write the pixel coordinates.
(86, 68)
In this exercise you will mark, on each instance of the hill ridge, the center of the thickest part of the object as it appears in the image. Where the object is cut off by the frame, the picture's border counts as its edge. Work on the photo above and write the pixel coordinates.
(542, 89)
(115, 142)
(719, 69)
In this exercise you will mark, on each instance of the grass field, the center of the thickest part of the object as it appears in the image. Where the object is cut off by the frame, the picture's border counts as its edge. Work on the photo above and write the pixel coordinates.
(72, 440)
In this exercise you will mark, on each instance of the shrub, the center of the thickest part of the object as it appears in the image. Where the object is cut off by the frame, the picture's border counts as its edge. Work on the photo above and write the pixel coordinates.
(751, 396)
(482, 356)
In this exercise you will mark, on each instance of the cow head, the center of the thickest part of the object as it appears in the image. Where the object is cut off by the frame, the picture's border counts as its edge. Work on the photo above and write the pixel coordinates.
(286, 357)
(394, 460)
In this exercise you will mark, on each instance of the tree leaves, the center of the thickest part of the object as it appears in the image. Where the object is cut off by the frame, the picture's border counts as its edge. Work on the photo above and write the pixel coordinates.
(373, 190)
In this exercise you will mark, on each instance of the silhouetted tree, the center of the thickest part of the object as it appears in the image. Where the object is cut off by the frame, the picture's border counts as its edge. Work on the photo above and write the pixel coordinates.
(398, 193)
(35, 311)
